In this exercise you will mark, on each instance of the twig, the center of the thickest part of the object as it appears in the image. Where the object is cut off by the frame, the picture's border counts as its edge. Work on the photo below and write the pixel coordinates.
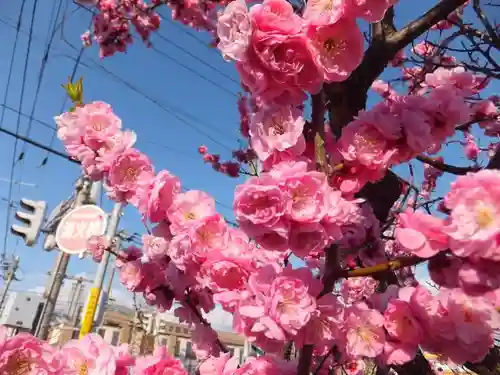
(305, 360)
(202, 320)
(459, 171)
(416, 28)
(392, 265)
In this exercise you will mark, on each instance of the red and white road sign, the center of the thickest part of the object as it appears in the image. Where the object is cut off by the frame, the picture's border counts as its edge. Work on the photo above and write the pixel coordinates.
(78, 226)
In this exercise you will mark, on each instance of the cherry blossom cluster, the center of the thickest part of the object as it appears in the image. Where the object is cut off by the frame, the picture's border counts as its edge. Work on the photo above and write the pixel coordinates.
(404, 126)
(463, 247)
(230, 168)
(25, 354)
(111, 26)
(193, 256)
(303, 204)
(281, 55)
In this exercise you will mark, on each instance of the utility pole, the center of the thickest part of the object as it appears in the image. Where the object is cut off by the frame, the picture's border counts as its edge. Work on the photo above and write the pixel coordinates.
(10, 276)
(95, 291)
(103, 300)
(83, 190)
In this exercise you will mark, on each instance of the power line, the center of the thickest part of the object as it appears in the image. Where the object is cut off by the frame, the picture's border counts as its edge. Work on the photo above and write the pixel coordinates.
(165, 107)
(66, 157)
(169, 57)
(171, 42)
(54, 129)
(191, 35)
(11, 66)
(50, 40)
(188, 68)
(168, 107)
(42, 69)
(39, 145)
(175, 61)
(18, 124)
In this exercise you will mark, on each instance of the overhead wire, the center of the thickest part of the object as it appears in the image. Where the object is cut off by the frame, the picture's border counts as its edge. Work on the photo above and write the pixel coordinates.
(50, 39)
(18, 125)
(11, 66)
(171, 42)
(6, 94)
(188, 68)
(132, 87)
(191, 35)
(43, 65)
(67, 157)
(169, 57)
(73, 73)
(54, 129)
(169, 108)
(193, 71)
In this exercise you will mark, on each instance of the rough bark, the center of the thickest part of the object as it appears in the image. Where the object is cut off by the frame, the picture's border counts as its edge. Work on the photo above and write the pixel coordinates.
(346, 99)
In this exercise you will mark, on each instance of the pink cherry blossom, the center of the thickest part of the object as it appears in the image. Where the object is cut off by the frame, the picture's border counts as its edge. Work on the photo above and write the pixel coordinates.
(306, 195)
(209, 235)
(234, 30)
(159, 363)
(223, 365)
(458, 78)
(400, 323)
(259, 201)
(91, 355)
(267, 365)
(132, 275)
(308, 239)
(357, 288)
(99, 123)
(431, 314)
(489, 117)
(370, 10)
(364, 332)
(398, 353)
(273, 51)
(24, 353)
(421, 234)
(325, 325)
(124, 360)
(324, 12)
(339, 48)
(155, 248)
(159, 196)
(292, 303)
(221, 273)
(474, 220)
(188, 208)
(275, 128)
(97, 245)
(275, 16)
(471, 148)
(476, 276)
(129, 172)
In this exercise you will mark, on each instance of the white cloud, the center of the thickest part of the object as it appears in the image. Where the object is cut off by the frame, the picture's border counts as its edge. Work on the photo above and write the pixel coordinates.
(220, 319)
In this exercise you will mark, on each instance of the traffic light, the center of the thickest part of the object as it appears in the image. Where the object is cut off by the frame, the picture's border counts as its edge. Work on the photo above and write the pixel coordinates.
(33, 216)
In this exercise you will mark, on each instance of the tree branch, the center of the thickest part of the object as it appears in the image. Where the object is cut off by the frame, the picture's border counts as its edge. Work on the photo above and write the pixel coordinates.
(416, 28)
(305, 360)
(459, 171)
(486, 23)
(202, 320)
(392, 265)
(333, 272)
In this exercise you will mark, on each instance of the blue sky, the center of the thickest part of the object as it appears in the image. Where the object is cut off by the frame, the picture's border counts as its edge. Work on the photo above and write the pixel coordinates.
(171, 98)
